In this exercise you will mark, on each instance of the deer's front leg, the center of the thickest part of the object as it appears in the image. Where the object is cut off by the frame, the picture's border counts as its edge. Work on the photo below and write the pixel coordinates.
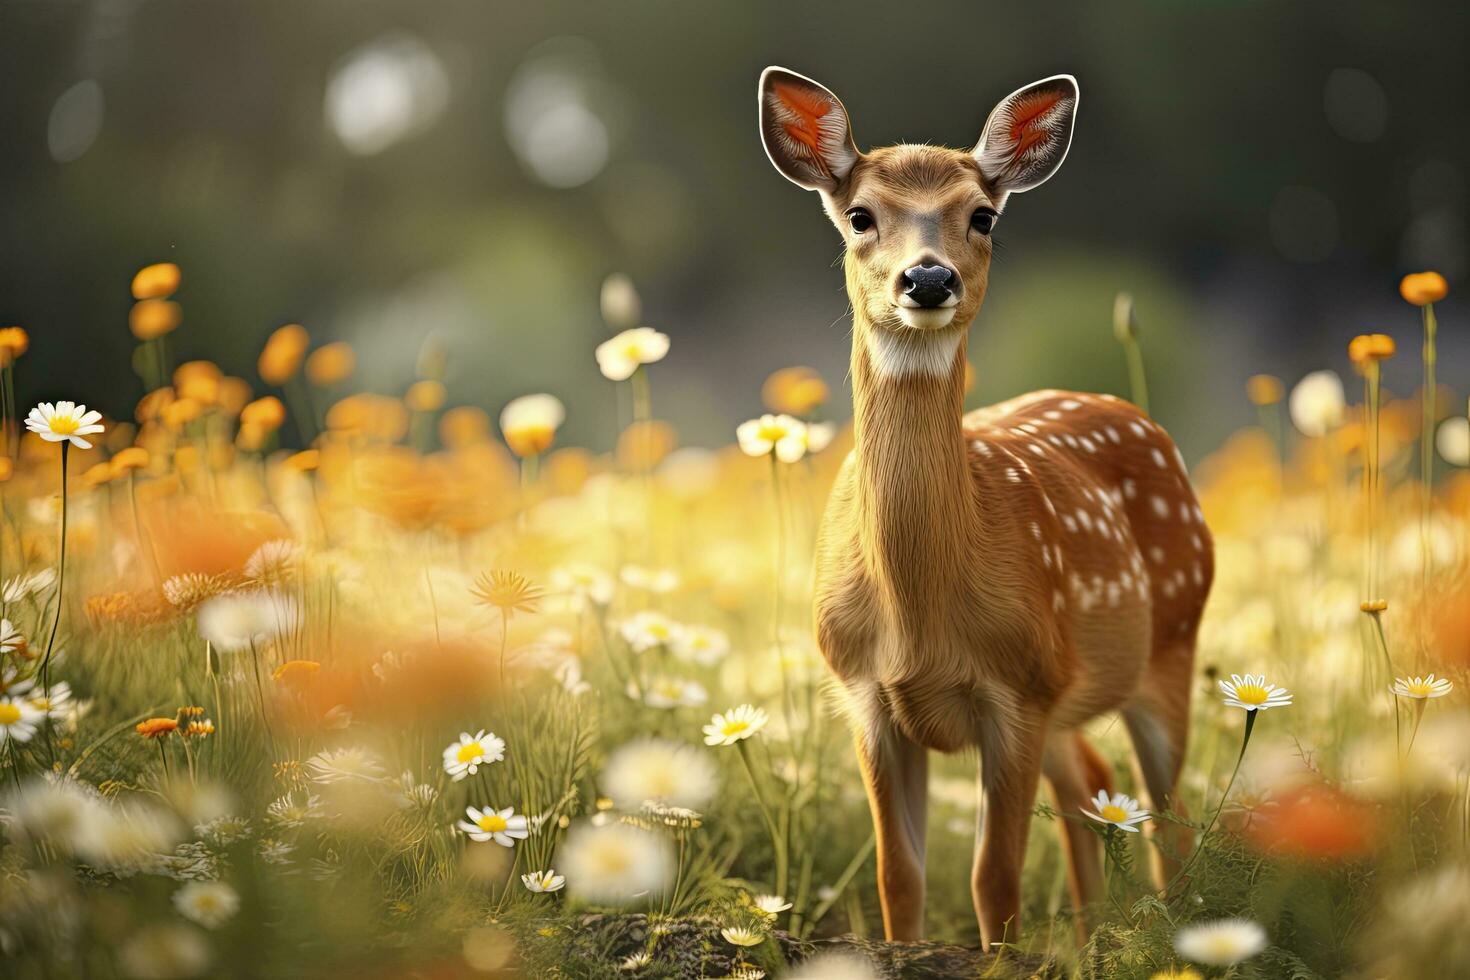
(896, 774)
(1010, 766)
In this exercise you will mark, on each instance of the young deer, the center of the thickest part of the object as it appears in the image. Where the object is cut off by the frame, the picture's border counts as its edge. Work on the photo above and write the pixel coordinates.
(999, 578)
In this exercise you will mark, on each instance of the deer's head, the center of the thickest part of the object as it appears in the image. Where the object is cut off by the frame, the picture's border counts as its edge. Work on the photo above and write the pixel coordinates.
(916, 218)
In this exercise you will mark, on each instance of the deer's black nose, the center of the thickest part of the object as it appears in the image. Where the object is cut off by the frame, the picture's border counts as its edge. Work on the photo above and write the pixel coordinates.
(928, 285)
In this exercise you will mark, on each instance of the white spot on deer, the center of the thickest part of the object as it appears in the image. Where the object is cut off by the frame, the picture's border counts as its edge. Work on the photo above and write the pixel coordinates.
(1199, 515)
(1169, 589)
(1115, 594)
(1035, 530)
(1130, 489)
(1138, 430)
(1058, 601)
(1156, 555)
(1053, 415)
(981, 448)
(1199, 574)
(1055, 441)
(1113, 435)
(1069, 523)
(1161, 506)
(1012, 475)
(1071, 404)
(1184, 514)
(1159, 459)
(1088, 445)
(1085, 519)
(1198, 544)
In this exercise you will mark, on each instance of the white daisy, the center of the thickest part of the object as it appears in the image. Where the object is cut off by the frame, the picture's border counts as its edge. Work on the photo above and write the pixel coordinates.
(10, 637)
(619, 357)
(735, 725)
(464, 757)
(646, 630)
(779, 434)
(25, 586)
(19, 718)
(504, 827)
(770, 906)
(742, 936)
(1252, 693)
(661, 771)
(64, 422)
(1223, 942)
(349, 764)
(1421, 688)
(53, 702)
(670, 692)
(544, 881)
(701, 644)
(1120, 811)
(237, 620)
(614, 863)
(209, 903)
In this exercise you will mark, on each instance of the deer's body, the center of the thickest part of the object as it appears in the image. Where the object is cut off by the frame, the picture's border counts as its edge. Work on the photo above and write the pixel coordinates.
(997, 579)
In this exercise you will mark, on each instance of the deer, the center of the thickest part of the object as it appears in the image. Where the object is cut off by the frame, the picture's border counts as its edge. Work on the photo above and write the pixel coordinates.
(986, 582)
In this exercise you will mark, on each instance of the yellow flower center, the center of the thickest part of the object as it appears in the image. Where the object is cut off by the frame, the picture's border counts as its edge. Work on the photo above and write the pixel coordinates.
(9, 714)
(1251, 694)
(64, 425)
(1113, 814)
(469, 752)
(41, 704)
(492, 823)
(633, 352)
(658, 631)
(1419, 687)
(734, 727)
(773, 433)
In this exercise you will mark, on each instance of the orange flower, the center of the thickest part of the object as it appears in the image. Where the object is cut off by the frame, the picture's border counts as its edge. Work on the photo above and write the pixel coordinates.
(265, 413)
(156, 281)
(305, 461)
(425, 396)
(152, 318)
(1423, 288)
(13, 342)
(794, 391)
(181, 412)
(199, 729)
(1263, 389)
(158, 727)
(131, 458)
(234, 393)
(331, 364)
(151, 405)
(97, 474)
(198, 380)
(1370, 348)
(282, 355)
(296, 671)
(464, 426)
(1317, 822)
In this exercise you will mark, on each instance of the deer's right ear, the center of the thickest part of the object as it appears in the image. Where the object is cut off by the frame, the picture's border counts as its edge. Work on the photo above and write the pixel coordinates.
(805, 130)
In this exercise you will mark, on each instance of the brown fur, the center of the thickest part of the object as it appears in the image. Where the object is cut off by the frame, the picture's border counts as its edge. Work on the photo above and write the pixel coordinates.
(992, 580)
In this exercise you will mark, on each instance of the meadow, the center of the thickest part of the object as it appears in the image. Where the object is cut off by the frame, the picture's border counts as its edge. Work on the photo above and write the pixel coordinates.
(437, 696)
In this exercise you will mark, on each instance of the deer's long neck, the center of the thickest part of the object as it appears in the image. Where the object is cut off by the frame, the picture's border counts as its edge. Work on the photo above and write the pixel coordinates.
(915, 495)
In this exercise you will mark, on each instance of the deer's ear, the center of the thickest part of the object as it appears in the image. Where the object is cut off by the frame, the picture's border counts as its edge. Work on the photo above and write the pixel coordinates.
(1027, 134)
(805, 130)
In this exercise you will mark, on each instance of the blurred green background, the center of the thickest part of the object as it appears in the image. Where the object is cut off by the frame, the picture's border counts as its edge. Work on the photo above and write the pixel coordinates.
(1258, 174)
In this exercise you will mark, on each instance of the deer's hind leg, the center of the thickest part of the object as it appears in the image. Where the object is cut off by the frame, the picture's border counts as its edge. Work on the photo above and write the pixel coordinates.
(1075, 773)
(1010, 768)
(1158, 725)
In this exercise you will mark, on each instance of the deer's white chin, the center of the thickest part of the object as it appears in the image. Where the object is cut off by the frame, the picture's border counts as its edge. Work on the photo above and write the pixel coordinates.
(925, 319)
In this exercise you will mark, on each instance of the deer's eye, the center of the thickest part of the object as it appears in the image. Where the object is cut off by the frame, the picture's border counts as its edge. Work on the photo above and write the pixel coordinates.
(861, 219)
(983, 220)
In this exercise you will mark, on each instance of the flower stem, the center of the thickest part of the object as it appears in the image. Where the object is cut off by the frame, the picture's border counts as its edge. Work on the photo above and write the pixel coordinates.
(1137, 380)
(778, 842)
(1426, 456)
(1250, 723)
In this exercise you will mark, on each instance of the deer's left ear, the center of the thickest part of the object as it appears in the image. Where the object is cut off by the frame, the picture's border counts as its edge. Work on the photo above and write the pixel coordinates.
(1027, 134)
(805, 130)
